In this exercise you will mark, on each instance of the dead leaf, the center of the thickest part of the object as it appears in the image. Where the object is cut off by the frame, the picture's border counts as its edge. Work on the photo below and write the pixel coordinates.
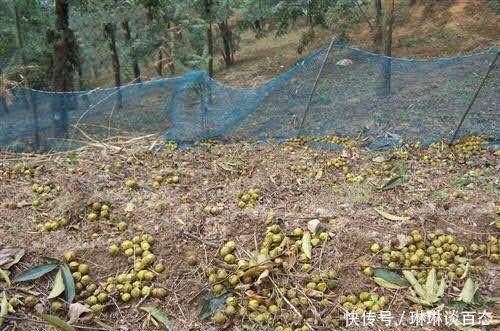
(384, 283)
(306, 244)
(313, 293)
(10, 256)
(402, 241)
(75, 312)
(313, 225)
(130, 207)
(4, 274)
(390, 216)
(468, 291)
(262, 276)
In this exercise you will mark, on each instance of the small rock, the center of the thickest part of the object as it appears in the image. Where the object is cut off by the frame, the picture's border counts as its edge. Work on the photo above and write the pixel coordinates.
(314, 225)
(344, 62)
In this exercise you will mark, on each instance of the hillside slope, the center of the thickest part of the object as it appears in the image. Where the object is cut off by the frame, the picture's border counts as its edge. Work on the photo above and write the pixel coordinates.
(428, 29)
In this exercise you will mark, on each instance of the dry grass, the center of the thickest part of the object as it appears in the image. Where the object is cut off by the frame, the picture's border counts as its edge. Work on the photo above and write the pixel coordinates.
(187, 237)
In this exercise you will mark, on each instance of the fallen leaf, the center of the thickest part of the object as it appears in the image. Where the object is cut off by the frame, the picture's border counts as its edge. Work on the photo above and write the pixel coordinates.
(306, 244)
(390, 277)
(36, 272)
(75, 311)
(382, 282)
(69, 283)
(263, 275)
(402, 241)
(159, 316)
(4, 274)
(58, 286)
(314, 225)
(130, 207)
(313, 293)
(210, 305)
(390, 216)
(429, 293)
(392, 183)
(57, 322)
(10, 256)
(4, 307)
(468, 291)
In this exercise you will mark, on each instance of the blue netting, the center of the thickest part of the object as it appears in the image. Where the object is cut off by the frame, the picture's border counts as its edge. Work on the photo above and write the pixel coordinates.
(423, 100)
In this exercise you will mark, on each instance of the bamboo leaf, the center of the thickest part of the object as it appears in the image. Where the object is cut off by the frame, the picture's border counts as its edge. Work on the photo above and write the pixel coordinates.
(306, 244)
(58, 286)
(36, 272)
(390, 216)
(390, 277)
(56, 322)
(159, 316)
(69, 283)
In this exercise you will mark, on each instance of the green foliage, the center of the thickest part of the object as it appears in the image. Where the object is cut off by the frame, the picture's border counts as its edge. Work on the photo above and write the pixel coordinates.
(343, 14)
(36, 272)
(155, 26)
(211, 304)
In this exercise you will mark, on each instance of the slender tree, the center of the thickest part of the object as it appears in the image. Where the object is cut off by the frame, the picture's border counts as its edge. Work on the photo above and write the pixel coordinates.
(227, 42)
(64, 45)
(110, 36)
(388, 27)
(65, 60)
(210, 37)
(377, 36)
(127, 35)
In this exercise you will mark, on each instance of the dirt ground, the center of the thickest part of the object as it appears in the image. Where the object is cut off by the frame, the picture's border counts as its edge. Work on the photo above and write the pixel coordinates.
(450, 190)
(428, 29)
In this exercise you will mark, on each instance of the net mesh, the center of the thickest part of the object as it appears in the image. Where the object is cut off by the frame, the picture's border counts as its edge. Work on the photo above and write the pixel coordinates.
(387, 100)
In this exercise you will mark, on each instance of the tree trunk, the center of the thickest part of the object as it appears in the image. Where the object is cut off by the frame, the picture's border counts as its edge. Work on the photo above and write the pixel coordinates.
(227, 40)
(170, 49)
(210, 43)
(3, 105)
(159, 64)
(128, 41)
(377, 37)
(62, 74)
(257, 25)
(19, 33)
(110, 35)
(210, 39)
(389, 21)
(3, 90)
